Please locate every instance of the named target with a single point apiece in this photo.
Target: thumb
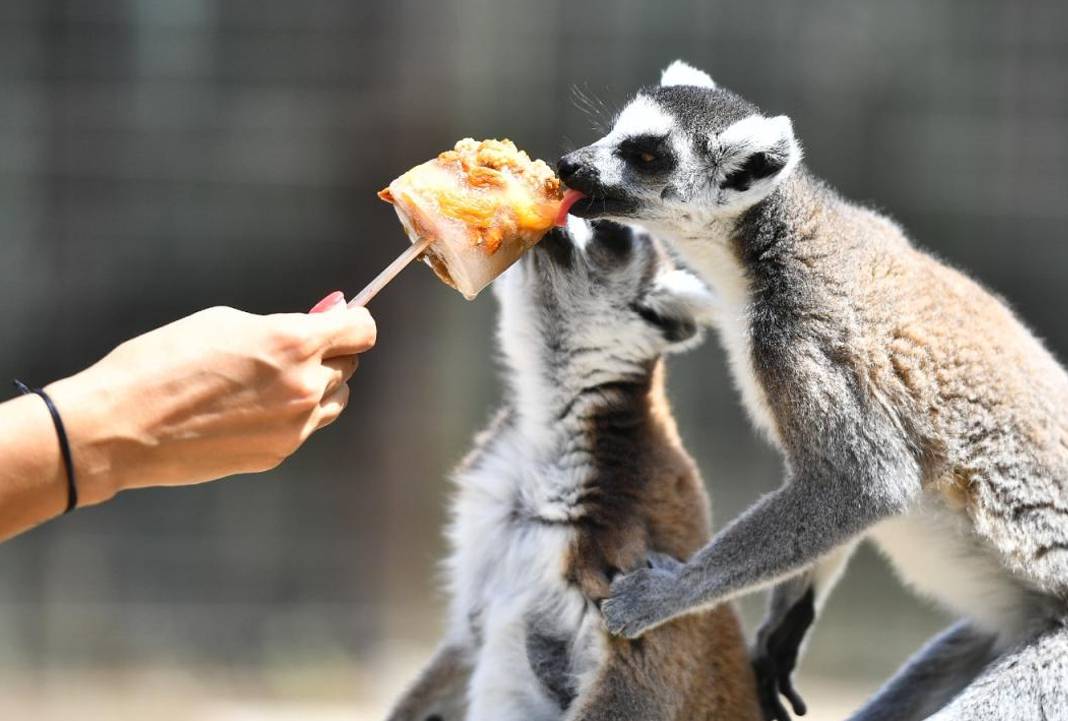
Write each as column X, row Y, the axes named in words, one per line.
column 335, row 299
column 344, row 331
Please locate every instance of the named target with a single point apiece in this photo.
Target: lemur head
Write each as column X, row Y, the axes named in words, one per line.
column 597, row 302
column 685, row 151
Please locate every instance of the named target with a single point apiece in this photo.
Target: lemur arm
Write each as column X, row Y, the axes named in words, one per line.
column 936, row 674
column 792, row 608
column 1027, row 682
column 784, row 532
column 440, row 690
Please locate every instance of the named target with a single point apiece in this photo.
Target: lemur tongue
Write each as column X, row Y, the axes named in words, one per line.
column 570, row 198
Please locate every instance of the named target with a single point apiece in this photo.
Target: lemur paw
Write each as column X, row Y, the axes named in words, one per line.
column 640, row 600
column 664, row 562
column 775, row 657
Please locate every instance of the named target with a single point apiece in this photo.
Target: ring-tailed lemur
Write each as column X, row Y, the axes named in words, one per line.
column 581, row 475
column 910, row 404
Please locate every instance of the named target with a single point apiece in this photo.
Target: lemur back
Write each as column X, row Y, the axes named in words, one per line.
column 582, row 475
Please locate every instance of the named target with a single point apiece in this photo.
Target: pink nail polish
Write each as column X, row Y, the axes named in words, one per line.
column 328, row 302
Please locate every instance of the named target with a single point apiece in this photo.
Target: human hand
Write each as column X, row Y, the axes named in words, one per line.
column 217, row 393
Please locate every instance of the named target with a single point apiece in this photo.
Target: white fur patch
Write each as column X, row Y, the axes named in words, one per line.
column 520, row 340
column 680, row 73
column 935, row 551
column 758, row 133
column 682, row 289
column 685, row 285
column 829, row 570
column 642, row 116
column 508, row 568
column 580, row 231
column 708, row 252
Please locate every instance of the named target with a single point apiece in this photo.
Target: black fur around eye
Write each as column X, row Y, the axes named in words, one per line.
column 675, row 330
column 647, row 153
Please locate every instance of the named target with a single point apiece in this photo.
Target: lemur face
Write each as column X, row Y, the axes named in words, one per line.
column 604, row 288
column 682, row 152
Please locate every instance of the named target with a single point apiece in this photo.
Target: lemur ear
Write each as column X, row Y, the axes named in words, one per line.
column 752, row 157
column 680, row 73
column 681, row 305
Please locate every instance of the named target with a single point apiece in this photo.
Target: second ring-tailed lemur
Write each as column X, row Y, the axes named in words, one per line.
column 581, row 475
column 910, row 404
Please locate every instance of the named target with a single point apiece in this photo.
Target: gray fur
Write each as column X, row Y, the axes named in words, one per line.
column 909, row 403
column 586, row 318
column 938, row 672
column 439, row 693
column 550, row 659
column 1026, row 683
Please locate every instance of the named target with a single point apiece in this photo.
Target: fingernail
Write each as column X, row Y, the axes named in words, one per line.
column 335, row 298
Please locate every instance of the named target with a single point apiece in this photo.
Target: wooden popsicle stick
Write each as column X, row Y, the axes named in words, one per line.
column 382, row 279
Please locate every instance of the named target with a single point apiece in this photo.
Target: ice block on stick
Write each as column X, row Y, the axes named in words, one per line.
column 472, row 211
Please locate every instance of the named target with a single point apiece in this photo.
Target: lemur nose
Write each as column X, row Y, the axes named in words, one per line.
column 568, row 166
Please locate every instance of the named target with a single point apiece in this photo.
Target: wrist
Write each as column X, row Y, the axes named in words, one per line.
column 95, row 422
column 33, row 484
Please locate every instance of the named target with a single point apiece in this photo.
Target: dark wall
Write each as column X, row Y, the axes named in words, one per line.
column 158, row 157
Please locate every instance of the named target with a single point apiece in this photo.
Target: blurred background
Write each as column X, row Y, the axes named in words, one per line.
column 157, row 157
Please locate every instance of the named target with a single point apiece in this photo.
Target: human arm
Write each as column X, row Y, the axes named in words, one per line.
column 213, row 394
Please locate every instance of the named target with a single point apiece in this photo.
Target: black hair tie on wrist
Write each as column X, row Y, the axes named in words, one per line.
column 64, row 444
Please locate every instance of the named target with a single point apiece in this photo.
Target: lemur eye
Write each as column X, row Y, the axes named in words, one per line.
column 647, row 153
